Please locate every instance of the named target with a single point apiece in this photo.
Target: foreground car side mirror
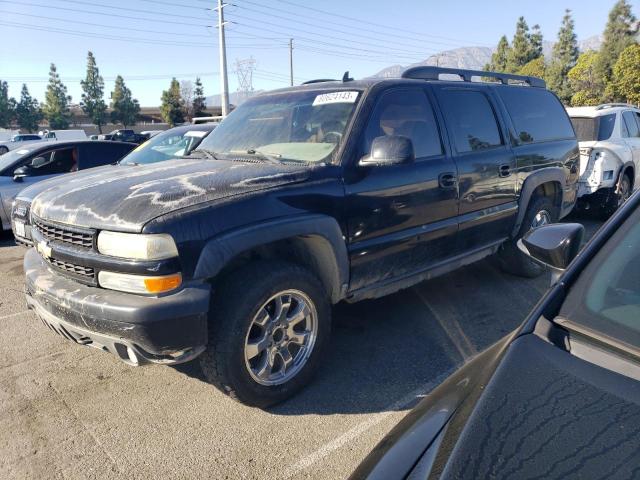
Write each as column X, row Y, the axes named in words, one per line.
column 554, row 245
column 389, row 150
column 20, row 173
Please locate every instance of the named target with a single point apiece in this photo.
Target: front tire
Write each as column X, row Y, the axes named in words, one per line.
column 268, row 327
column 511, row 259
column 3, row 150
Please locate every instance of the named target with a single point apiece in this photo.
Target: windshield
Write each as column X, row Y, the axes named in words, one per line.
column 594, row 129
column 306, row 126
column 606, row 298
column 165, row 146
column 9, row 159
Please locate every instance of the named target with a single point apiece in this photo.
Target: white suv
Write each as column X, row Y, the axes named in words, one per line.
column 609, row 137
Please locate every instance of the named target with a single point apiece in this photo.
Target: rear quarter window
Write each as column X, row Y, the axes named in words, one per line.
column 537, row 115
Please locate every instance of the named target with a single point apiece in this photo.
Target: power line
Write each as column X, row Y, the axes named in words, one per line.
column 379, row 25
column 127, row 9
column 350, row 34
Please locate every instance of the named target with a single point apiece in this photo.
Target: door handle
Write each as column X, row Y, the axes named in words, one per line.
column 505, row 170
column 447, row 180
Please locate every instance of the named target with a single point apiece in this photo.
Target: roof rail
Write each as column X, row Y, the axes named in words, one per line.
column 613, row 105
column 320, row 80
column 433, row 73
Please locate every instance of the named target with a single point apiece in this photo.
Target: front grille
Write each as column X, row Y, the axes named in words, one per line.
column 64, row 234
column 86, row 272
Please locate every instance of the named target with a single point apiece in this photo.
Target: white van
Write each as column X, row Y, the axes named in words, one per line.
column 65, row 135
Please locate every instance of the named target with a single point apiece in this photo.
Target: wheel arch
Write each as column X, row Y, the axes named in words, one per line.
column 313, row 241
column 548, row 182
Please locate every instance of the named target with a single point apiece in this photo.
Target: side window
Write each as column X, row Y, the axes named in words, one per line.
column 632, row 126
column 537, row 115
column 407, row 113
column 471, row 120
column 57, row 161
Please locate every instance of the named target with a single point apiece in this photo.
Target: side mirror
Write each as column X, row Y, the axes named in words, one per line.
column 20, row 173
column 554, row 245
column 389, row 150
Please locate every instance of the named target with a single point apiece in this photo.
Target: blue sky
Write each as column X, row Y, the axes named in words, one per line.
column 148, row 41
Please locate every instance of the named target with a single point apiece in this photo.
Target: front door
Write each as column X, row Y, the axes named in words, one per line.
column 401, row 218
column 486, row 166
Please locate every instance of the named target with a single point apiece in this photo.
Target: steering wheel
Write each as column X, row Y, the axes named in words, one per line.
column 336, row 136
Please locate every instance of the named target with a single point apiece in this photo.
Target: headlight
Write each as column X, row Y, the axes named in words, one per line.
column 139, row 283
column 137, row 246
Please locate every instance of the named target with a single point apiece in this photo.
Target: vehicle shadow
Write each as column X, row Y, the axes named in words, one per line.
column 386, row 350
column 6, row 239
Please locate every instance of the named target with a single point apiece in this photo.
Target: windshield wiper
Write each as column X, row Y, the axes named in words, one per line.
column 210, row 155
column 269, row 157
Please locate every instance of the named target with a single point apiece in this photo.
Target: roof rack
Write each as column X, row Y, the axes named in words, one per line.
column 433, row 73
column 613, row 105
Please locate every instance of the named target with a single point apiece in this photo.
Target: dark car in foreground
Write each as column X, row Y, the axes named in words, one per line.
column 35, row 162
column 558, row 398
column 299, row 199
column 177, row 142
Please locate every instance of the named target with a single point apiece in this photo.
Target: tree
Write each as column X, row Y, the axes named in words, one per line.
column 93, row 103
column 524, row 47
column 626, row 74
column 28, row 112
column 199, row 102
column 500, row 57
column 618, row 34
column 186, row 92
column 564, row 57
column 7, row 106
column 172, row 107
column 124, row 108
column 585, row 81
column 56, row 107
column 535, row 68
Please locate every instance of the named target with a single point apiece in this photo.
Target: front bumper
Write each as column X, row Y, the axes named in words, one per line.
column 168, row 330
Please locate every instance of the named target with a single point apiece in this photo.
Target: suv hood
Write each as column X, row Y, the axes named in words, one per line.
column 126, row 197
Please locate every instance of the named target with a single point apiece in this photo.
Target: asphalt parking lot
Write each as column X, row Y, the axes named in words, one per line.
column 73, row 412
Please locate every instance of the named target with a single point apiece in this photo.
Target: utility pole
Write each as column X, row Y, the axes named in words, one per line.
column 224, row 81
column 291, row 60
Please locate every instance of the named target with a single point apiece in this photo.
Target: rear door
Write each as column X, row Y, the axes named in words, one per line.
column 485, row 163
column 401, row 218
column 632, row 122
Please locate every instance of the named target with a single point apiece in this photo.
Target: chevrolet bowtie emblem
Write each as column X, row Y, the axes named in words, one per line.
column 44, row 249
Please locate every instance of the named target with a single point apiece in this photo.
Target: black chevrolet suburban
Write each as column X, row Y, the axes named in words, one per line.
column 301, row 198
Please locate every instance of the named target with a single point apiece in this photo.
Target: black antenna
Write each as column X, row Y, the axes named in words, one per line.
column 346, row 78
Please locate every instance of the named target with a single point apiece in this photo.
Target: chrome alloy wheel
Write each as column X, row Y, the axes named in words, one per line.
column 543, row 217
column 281, row 338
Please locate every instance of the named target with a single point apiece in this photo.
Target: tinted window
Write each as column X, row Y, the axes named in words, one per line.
column 537, row 115
column 589, row 129
column 471, row 119
column 632, row 126
column 407, row 113
column 98, row 154
column 606, row 297
column 54, row 162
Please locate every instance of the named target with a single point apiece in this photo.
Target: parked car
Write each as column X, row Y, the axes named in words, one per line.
column 609, row 137
column 559, row 397
column 42, row 160
column 17, row 141
column 174, row 143
column 299, row 199
column 64, row 135
column 126, row 135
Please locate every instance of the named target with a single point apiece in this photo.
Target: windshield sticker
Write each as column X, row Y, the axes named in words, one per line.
column 335, row 97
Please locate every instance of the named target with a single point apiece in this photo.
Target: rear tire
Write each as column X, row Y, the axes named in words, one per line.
column 616, row 196
column 254, row 322
column 3, row 150
column 540, row 211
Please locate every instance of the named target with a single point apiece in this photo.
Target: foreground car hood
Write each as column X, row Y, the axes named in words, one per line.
column 126, row 197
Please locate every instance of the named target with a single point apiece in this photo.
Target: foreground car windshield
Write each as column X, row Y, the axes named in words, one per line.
column 165, row 146
column 296, row 126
